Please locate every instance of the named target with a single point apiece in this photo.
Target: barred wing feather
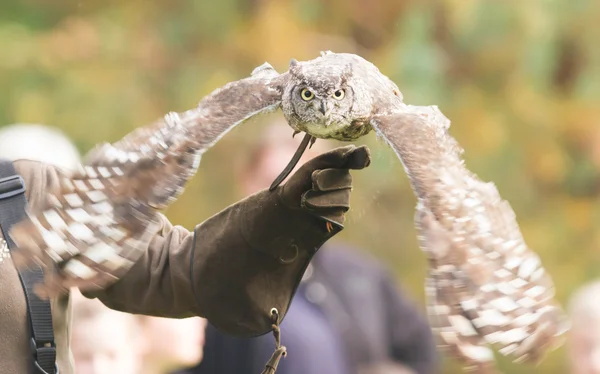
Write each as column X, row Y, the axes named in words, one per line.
column 485, row 287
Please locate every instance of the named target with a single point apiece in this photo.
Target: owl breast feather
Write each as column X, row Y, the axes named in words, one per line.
column 338, row 131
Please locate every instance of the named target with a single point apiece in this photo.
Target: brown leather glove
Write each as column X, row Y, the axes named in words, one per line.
column 322, row 185
column 251, row 257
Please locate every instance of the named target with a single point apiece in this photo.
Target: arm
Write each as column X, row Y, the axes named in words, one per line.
column 238, row 265
column 179, row 265
column 159, row 283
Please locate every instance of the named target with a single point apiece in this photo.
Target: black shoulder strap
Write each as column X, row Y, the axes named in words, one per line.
column 12, row 210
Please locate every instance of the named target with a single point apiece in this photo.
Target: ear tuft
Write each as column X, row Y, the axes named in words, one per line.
column 346, row 73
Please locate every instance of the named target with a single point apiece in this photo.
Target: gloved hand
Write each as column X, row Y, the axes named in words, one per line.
column 322, row 185
column 240, row 279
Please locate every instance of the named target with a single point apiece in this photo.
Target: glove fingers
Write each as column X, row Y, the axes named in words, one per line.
column 348, row 157
column 331, row 179
column 324, row 200
column 359, row 158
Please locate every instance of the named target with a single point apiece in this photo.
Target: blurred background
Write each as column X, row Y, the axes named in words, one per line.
column 520, row 81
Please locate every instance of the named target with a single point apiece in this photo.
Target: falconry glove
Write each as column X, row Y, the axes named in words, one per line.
column 245, row 292
column 322, row 186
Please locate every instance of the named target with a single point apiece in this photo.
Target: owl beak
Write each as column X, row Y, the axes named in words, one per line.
column 323, row 108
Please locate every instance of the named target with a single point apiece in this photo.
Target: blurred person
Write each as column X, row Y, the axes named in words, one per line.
column 107, row 341
column 348, row 316
column 181, row 272
column 104, row 340
column 584, row 337
column 171, row 344
column 386, row 368
column 30, row 141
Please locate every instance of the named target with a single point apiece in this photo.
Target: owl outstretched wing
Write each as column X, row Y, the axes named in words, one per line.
column 100, row 220
column 485, row 287
column 189, row 134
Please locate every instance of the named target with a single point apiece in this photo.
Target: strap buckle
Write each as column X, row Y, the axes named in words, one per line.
column 35, row 350
column 11, row 186
column 35, row 345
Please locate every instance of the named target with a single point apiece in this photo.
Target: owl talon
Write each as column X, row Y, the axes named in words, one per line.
column 292, row 164
column 329, row 226
column 312, row 141
column 296, row 132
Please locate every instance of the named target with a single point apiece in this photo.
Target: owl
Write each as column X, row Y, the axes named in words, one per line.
column 484, row 286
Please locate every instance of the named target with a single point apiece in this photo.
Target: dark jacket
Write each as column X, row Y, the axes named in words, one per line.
column 347, row 313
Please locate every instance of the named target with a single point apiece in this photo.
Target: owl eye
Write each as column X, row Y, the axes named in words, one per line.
column 306, row 94
column 339, row 94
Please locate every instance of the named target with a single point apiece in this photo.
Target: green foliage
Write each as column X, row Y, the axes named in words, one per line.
column 520, row 81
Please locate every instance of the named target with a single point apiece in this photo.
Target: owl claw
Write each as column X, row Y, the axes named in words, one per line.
column 290, row 166
column 296, row 132
column 312, row 141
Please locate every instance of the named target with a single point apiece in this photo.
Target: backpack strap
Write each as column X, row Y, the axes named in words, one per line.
column 12, row 210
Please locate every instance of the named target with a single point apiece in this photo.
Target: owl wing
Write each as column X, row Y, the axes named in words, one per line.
column 486, row 287
column 453, row 332
column 188, row 135
column 446, row 292
column 91, row 230
column 102, row 217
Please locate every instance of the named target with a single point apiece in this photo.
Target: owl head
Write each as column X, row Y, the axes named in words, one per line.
column 324, row 99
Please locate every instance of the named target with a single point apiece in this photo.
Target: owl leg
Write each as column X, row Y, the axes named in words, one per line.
column 292, row 164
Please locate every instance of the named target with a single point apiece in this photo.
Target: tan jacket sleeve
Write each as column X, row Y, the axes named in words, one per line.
column 160, row 283
column 233, row 267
